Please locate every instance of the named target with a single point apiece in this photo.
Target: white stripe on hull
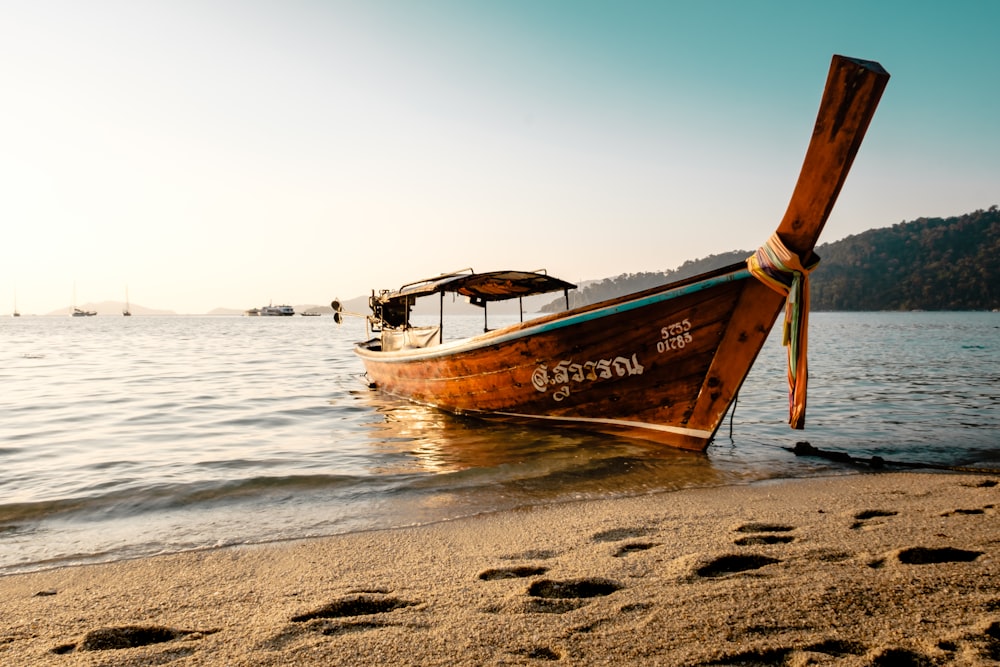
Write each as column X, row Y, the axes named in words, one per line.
column 692, row 432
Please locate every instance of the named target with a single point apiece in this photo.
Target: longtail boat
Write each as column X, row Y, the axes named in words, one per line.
column 663, row 364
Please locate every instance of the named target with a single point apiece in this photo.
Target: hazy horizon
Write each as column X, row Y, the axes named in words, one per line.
column 228, row 154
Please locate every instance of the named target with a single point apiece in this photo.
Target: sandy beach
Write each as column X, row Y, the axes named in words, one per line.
column 870, row 569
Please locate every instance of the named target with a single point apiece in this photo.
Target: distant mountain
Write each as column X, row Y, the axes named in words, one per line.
column 111, row 308
column 926, row 264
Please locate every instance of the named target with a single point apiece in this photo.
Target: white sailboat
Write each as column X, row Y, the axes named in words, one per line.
column 126, row 311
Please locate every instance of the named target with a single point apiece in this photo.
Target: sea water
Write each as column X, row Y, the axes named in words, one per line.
column 124, row 437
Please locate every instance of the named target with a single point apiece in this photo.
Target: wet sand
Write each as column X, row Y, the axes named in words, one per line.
column 872, row 569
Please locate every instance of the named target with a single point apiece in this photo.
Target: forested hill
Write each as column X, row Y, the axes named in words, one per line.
column 926, row 264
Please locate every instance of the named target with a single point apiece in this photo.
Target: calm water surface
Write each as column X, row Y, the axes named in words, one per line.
column 123, row 437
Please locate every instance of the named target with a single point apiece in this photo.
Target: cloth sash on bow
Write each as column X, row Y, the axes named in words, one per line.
column 784, row 272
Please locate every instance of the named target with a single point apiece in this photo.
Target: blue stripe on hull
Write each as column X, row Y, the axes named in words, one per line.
column 476, row 342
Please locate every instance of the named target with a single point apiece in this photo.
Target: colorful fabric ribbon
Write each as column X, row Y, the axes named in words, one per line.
column 783, row 271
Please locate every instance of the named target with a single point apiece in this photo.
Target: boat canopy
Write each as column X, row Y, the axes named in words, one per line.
column 392, row 307
column 482, row 287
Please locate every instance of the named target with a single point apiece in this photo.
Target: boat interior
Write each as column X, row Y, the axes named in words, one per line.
column 392, row 309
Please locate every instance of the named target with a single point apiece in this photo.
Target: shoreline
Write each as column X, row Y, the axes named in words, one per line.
column 860, row 569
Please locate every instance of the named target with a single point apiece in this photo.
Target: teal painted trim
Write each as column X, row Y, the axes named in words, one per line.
column 477, row 342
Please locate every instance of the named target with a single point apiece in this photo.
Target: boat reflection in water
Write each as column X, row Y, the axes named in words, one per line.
column 479, row 465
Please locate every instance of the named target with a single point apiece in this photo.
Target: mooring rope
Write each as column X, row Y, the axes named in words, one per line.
column 787, row 274
column 878, row 463
column 732, row 413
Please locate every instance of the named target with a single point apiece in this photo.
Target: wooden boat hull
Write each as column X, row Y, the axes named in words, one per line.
column 660, row 365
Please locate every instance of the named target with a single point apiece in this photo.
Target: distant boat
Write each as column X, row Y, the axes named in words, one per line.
column 16, row 314
column 126, row 311
column 309, row 314
column 253, row 312
column 276, row 311
column 76, row 312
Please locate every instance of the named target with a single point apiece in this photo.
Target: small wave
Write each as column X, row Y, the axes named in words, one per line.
column 162, row 497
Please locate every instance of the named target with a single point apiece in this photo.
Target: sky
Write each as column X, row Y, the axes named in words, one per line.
column 213, row 153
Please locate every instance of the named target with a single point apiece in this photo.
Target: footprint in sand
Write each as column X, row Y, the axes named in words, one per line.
column 835, row 649
column 355, row 605
column 532, row 554
column 619, row 534
column 542, row 653
column 764, row 528
column 862, row 518
column 129, row 636
column 838, row 648
column 356, row 612
column 763, row 534
column 574, row 588
column 557, row 597
column 734, row 564
column 548, row 596
column 758, row 540
column 985, row 643
column 633, row 547
column 991, row 639
column 900, row 657
column 969, row 512
column 771, row 656
column 928, row 556
column 518, row 572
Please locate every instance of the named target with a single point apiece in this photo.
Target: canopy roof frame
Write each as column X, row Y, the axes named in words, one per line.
column 479, row 288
